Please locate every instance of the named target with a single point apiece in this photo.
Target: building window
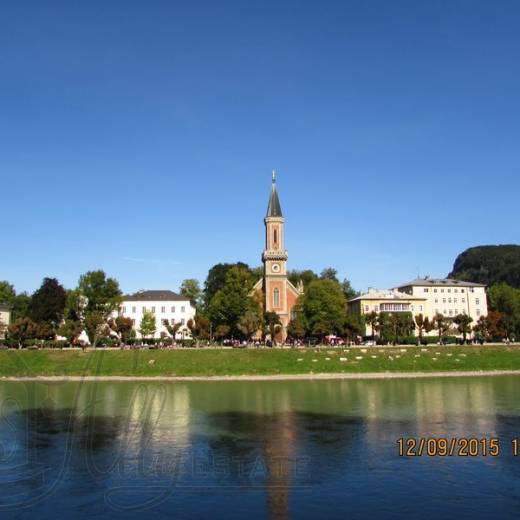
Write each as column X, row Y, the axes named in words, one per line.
column 477, row 301
column 165, row 322
column 173, row 309
column 182, row 321
column 478, row 312
column 444, row 300
column 275, row 234
column 420, row 308
column 449, row 290
column 144, row 309
column 133, row 310
column 449, row 300
column 163, row 309
column 367, row 308
column 183, row 309
column 276, row 298
column 463, row 300
column 435, row 290
column 133, row 323
column 153, row 310
column 172, row 322
column 124, row 310
column 451, row 312
column 426, row 289
column 462, row 290
column 442, row 290
column 454, row 300
column 436, row 300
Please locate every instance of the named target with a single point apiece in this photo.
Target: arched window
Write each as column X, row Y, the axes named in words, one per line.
column 275, row 237
column 276, row 298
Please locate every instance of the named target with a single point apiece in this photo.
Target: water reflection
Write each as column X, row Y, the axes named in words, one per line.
column 269, row 449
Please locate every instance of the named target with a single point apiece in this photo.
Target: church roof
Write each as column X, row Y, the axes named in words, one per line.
column 274, row 209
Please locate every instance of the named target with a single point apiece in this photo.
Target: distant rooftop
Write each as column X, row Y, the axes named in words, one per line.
column 427, row 281
column 385, row 294
column 154, row 296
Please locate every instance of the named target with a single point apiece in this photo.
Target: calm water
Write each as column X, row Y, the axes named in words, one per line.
column 302, row 449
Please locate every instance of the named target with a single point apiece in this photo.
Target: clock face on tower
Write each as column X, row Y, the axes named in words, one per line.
column 275, row 268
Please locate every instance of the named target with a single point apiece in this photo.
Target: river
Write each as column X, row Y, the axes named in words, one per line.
column 263, row 449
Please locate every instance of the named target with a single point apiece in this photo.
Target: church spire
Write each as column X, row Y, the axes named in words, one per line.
column 274, row 209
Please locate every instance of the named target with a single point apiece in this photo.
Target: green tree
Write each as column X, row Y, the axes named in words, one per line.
column 506, row 300
column 172, row 328
column 216, row 279
column 424, row 325
column 148, row 325
column 348, row 290
column 329, row 273
column 48, row 303
column 123, row 327
column 297, row 327
column 323, row 306
column 372, row 319
column 23, row 329
column 96, row 327
column 71, row 330
column 190, row 289
column 7, row 293
column 273, row 325
column 463, row 322
column 306, row 277
column 481, row 329
column 221, row 332
column 354, row 326
column 249, row 323
column 102, row 294
column 442, row 325
column 20, row 306
column 199, row 327
column 231, row 301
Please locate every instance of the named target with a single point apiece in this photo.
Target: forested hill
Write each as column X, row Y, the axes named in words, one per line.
column 489, row 265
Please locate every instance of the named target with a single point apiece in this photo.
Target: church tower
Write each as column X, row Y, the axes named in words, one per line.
column 278, row 293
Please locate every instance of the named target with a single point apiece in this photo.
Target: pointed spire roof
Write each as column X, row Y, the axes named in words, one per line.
column 274, row 209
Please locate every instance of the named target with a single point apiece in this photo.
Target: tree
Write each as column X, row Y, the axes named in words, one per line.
column 71, row 330
column 124, row 328
column 506, row 300
column 221, row 331
column 297, row 326
column 96, row 326
column 7, row 292
column 306, row 277
column 463, row 322
column 442, row 324
column 172, row 328
column 199, row 327
column 231, row 301
column 348, row 290
column 372, row 319
column 272, row 324
column 329, row 273
column 353, row 326
column 323, row 306
column 20, row 306
column 249, row 323
column 23, row 329
column 48, row 303
column 216, row 279
column 423, row 325
column 102, row 294
column 74, row 305
column 190, row 288
column 495, row 326
column 481, row 330
column 148, row 326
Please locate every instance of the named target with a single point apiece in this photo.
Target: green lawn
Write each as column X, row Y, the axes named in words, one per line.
column 219, row 362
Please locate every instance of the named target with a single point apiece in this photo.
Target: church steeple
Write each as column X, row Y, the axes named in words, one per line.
column 274, row 209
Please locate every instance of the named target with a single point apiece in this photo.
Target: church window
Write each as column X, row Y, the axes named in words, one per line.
column 275, row 237
column 276, row 298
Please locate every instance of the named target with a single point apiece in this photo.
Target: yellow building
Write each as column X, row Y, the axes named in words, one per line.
column 386, row 301
column 5, row 318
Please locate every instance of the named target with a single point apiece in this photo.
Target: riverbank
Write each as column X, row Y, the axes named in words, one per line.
column 224, row 364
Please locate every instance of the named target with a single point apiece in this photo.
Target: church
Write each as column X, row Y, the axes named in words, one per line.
column 277, row 293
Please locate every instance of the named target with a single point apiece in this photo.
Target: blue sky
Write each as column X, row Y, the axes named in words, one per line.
column 139, row 137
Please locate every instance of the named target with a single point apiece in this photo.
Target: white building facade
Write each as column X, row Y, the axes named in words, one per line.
column 448, row 297
column 5, row 318
column 167, row 306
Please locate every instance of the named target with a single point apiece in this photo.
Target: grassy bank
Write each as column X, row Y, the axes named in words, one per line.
column 222, row 362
